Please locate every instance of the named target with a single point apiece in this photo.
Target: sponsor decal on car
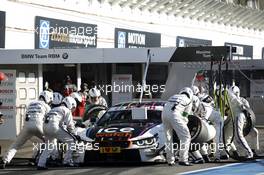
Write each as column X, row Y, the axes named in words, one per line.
column 116, row 134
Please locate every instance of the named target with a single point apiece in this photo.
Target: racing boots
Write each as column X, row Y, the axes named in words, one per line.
column 41, row 168
column 255, row 155
column 171, row 164
column 185, row 163
column 198, row 161
column 206, row 158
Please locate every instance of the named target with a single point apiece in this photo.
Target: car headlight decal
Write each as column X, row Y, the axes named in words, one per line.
column 145, row 142
column 140, row 142
column 149, row 141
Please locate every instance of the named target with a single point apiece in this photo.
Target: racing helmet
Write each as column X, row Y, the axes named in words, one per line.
column 57, row 98
column 47, row 96
column 188, row 92
column 69, row 102
column 77, row 97
column 235, row 90
column 195, row 90
column 94, row 92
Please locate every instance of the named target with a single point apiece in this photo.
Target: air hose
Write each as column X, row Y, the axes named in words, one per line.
column 233, row 123
column 222, row 101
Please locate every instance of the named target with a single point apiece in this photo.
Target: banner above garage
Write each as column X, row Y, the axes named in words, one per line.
column 262, row 52
column 54, row 33
column 2, row 29
column 243, row 52
column 125, row 38
column 120, row 55
column 191, row 42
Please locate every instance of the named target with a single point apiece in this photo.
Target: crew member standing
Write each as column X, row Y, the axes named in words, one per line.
column 238, row 105
column 175, row 117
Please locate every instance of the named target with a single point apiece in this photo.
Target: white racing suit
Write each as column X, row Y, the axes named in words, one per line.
column 205, row 109
column 58, row 125
column 175, row 117
column 238, row 104
column 35, row 113
column 229, row 135
column 103, row 101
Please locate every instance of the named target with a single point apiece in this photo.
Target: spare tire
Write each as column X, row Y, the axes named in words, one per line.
column 250, row 121
column 201, row 131
column 249, row 124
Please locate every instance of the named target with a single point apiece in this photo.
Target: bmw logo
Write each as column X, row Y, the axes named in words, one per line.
column 44, row 34
column 65, row 56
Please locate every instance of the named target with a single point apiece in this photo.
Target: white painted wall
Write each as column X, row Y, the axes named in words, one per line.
column 20, row 16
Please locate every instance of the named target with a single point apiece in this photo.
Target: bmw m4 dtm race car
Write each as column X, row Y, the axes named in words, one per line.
column 133, row 132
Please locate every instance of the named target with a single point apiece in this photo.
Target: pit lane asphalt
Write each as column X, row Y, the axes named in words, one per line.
column 110, row 169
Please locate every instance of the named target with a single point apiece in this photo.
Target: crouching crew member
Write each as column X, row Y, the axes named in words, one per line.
column 35, row 113
column 59, row 125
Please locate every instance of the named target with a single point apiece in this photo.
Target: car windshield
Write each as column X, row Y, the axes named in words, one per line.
column 125, row 116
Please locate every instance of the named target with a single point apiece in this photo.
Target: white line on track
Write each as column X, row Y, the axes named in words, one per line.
column 217, row 167
column 211, row 168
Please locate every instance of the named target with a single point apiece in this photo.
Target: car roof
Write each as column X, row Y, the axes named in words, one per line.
column 151, row 105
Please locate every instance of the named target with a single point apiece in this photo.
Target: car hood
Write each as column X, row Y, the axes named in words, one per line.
column 120, row 131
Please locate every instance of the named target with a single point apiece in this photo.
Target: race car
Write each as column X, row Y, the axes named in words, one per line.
column 133, row 132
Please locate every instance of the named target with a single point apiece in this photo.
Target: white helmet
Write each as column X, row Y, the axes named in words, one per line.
column 47, row 96
column 69, row 102
column 195, row 90
column 188, row 92
column 76, row 97
column 235, row 90
column 57, row 98
column 94, row 92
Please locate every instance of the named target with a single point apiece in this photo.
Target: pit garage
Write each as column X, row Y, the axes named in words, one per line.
column 156, row 45
column 103, row 56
